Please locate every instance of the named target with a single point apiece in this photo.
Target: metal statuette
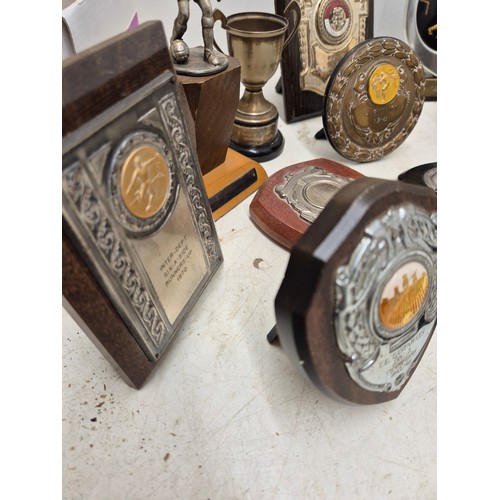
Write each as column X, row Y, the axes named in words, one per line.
column 196, row 61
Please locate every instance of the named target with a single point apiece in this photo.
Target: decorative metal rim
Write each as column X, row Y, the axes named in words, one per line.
column 279, row 20
column 136, row 226
column 363, row 54
column 357, row 291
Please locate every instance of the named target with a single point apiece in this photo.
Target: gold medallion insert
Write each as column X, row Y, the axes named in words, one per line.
column 145, row 182
column 403, row 295
column 383, row 84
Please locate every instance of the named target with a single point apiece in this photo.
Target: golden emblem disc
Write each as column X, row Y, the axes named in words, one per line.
column 145, row 182
column 404, row 296
column 383, row 84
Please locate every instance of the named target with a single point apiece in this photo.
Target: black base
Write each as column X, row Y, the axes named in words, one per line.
column 272, row 336
column 279, row 87
column 264, row 152
column 320, row 135
column 416, row 175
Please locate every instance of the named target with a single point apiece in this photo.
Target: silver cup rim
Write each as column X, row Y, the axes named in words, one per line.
column 255, row 33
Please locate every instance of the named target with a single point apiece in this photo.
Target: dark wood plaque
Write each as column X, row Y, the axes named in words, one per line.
column 328, row 30
column 139, row 243
column 357, row 307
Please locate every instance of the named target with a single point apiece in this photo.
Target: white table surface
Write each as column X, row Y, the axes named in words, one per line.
column 225, row 415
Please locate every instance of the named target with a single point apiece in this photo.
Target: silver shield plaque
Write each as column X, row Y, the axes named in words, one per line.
column 387, row 306
column 135, row 206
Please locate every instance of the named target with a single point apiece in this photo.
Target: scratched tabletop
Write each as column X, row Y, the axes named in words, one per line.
column 225, row 415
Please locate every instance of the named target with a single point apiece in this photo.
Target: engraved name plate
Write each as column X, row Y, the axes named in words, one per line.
column 135, row 206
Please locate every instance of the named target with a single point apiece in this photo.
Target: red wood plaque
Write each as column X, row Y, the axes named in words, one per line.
column 291, row 199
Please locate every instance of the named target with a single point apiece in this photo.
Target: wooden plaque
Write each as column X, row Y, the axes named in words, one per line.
column 139, row 242
column 229, row 176
column 213, row 100
column 357, row 307
column 328, row 30
column 291, row 199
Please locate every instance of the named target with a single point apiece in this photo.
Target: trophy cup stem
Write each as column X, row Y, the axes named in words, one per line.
column 255, row 129
column 254, row 109
column 257, row 39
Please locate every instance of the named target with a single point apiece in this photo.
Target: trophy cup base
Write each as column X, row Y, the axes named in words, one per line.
column 261, row 152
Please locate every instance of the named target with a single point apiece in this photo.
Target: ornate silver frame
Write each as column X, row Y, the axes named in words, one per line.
column 112, row 242
column 379, row 359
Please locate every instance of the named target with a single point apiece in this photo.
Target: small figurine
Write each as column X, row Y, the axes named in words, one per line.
column 180, row 50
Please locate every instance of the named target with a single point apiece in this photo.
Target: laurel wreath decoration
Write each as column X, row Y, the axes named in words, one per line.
column 348, row 89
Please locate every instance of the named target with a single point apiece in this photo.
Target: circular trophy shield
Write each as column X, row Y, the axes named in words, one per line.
column 141, row 183
column 357, row 307
column 373, row 99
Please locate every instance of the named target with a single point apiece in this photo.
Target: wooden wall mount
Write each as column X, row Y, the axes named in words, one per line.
column 301, row 104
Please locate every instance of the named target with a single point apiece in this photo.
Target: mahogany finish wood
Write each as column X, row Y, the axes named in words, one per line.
column 93, row 81
column 274, row 216
column 229, row 176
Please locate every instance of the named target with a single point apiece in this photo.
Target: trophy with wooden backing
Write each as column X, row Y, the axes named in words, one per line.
column 211, row 82
column 358, row 304
column 139, row 241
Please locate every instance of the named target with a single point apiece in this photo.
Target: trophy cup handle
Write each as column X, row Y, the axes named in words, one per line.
column 217, row 15
column 293, row 7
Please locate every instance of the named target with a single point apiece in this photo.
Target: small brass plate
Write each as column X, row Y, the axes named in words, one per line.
column 373, row 99
column 145, row 182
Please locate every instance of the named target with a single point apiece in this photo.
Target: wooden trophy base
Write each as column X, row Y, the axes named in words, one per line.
column 213, row 100
column 229, row 176
column 231, row 182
